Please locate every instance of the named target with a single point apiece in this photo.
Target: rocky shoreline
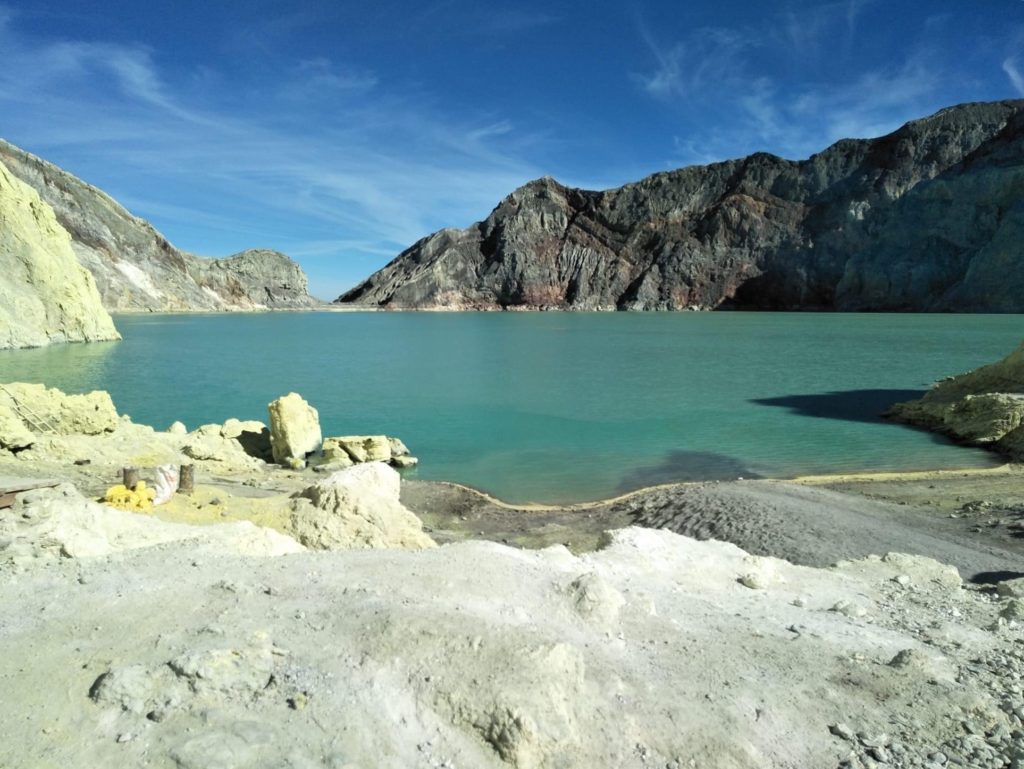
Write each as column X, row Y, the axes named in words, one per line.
column 280, row 616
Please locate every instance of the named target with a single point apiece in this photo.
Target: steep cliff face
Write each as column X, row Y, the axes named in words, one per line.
column 45, row 295
column 136, row 268
column 927, row 218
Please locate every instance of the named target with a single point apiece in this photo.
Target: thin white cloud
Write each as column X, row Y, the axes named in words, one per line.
column 374, row 170
column 722, row 71
column 1012, row 72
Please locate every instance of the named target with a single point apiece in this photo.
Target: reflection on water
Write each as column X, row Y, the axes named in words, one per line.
column 678, row 466
column 72, row 367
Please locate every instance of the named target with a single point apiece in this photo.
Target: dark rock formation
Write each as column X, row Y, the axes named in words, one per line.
column 928, row 218
column 136, row 268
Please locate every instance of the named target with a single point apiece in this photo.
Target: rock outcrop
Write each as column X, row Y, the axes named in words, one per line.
column 924, row 219
column 28, row 409
column 294, row 430
column 356, row 508
column 984, row 407
column 136, row 268
column 45, row 295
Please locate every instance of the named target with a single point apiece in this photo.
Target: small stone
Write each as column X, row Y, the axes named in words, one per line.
column 879, row 754
column 1013, row 609
column 842, row 731
column 873, row 741
column 125, row 737
column 849, row 609
column 753, row 580
column 902, row 579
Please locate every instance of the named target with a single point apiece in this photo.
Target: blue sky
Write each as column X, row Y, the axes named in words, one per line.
column 341, row 132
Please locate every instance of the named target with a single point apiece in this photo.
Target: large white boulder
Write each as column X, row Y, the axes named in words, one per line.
column 294, row 429
column 358, row 507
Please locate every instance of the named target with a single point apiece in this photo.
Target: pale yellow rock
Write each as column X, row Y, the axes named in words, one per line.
column 178, row 428
column 359, row 448
column 46, row 296
column 294, row 429
column 43, row 409
column 207, row 443
column 13, row 433
column 356, row 508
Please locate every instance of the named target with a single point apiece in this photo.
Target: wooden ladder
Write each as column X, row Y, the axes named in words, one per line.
column 36, row 422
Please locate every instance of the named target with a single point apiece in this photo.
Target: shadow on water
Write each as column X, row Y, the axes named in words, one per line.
column 846, row 405
column 994, row 577
column 679, row 466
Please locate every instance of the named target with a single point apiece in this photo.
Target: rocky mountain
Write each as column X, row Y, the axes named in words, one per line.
column 928, row 218
column 45, row 295
column 136, row 268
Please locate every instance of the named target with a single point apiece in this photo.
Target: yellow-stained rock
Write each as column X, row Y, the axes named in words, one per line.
column 138, row 500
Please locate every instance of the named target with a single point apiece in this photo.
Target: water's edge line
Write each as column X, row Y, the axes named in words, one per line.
column 1009, row 468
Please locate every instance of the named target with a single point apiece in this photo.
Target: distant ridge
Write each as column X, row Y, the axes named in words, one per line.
column 928, row 218
column 137, row 268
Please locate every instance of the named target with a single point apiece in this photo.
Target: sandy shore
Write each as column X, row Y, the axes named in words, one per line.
column 973, row 519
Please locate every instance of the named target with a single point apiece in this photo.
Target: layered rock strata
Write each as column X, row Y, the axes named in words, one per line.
column 45, row 295
column 927, row 218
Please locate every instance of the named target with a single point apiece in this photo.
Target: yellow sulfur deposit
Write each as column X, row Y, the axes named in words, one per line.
column 139, row 499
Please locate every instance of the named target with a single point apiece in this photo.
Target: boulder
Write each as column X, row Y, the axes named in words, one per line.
column 356, row 508
column 359, row 448
column 984, row 418
column 45, row 409
column 13, row 433
column 253, row 436
column 398, row 448
column 404, row 462
column 208, row 444
column 178, row 428
column 294, row 429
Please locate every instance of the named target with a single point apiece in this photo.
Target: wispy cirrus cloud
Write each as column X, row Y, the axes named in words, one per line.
column 363, row 178
column 1013, row 72
column 727, row 75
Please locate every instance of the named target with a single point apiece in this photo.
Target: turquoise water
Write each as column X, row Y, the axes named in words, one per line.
column 556, row 406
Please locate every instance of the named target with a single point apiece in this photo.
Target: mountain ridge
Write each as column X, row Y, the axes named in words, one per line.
column 136, row 268
column 915, row 220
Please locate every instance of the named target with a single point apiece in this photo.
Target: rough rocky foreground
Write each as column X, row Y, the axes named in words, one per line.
column 45, row 295
column 292, row 618
column 137, row 268
column 984, row 407
column 924, row 219
column 656, row 651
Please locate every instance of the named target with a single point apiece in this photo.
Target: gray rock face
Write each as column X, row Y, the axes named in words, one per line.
column 136, row 268
column 927, row 218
